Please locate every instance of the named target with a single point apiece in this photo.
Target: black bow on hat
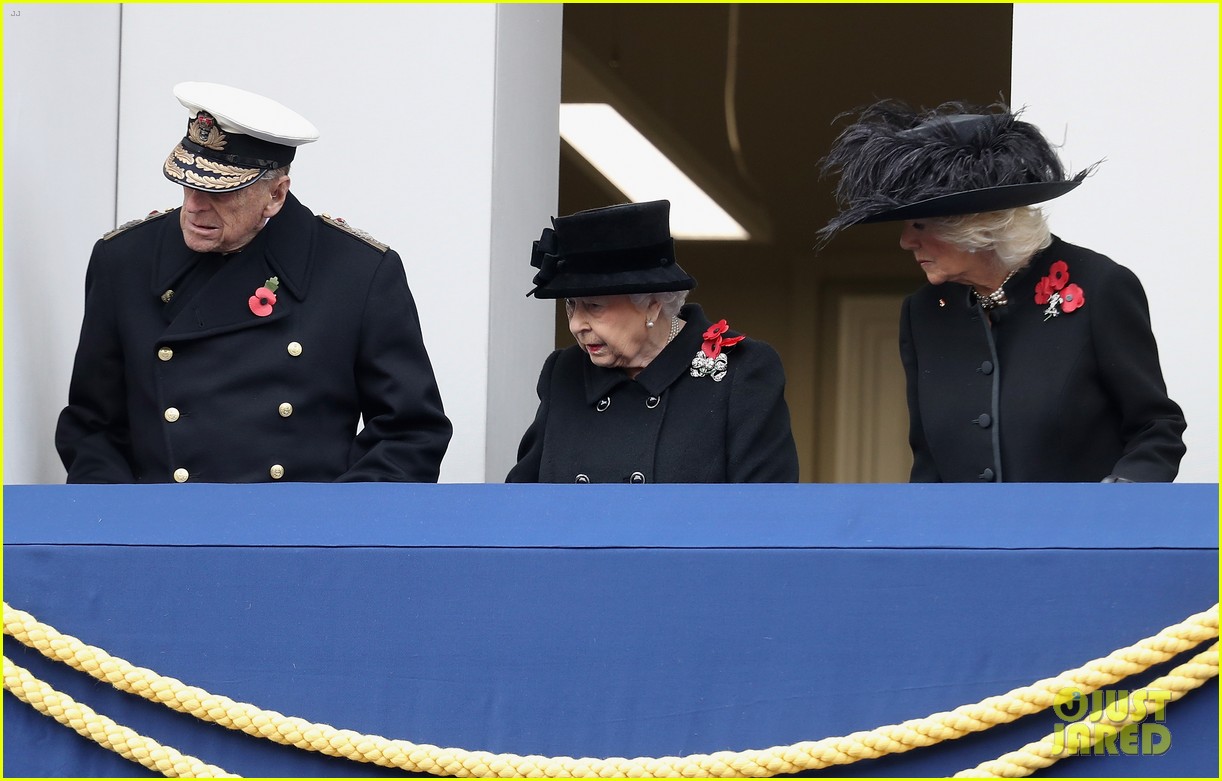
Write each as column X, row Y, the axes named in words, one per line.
column 609, row 251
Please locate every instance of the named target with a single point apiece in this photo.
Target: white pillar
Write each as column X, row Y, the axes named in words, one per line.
column 1136, row 85
column 61, row 81
column 525, row 177
column 438, row 137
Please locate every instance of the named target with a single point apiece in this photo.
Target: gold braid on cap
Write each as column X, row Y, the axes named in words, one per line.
column 211, row 166
column 218, row 183
column 227, row 176
column 172, row 168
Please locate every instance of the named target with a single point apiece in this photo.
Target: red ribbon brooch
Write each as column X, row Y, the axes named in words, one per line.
column 1056, row 290
column 711, row 361
column 264, row 299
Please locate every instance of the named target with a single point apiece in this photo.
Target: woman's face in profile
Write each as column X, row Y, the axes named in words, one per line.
column 611, row 330
column 943, row 262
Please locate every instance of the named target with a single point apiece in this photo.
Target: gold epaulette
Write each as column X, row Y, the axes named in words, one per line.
column 342, row 224
column 133, row 223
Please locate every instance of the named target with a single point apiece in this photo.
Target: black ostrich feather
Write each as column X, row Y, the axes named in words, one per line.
column 893, row 155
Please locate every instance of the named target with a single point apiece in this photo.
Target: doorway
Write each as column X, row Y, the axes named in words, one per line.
column 744, row 99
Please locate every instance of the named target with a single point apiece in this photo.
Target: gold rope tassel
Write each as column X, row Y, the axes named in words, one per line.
column 104, row 731
column 1084, row 734
column 423, row 758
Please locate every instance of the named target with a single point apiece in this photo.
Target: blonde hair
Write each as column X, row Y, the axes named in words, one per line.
column 1013, row 235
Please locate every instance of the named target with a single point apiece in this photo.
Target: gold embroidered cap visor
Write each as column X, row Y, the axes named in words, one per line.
column 233, row 137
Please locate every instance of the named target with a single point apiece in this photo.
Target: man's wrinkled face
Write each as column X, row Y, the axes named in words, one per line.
column 226, row 222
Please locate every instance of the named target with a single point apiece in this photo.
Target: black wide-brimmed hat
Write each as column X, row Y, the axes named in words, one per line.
column 609, row 251
column 233, row 137
column 896, row 163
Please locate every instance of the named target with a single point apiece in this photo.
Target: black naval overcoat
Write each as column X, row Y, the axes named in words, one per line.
column 596, row 425
column 177, row 379
column 1016, row 395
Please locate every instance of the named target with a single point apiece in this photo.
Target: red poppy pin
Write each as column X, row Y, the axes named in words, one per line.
column 264, row 299
column 1057, row 292
column 711, row 361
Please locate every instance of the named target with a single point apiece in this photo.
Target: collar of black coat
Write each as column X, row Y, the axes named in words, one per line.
column 1020, row 290
column 286, row 243
column 672, row 363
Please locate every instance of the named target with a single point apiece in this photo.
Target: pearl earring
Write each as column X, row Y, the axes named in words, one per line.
column 649, row 324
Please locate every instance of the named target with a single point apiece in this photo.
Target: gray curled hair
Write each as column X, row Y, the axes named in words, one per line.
column 1013, row 235
column 671, row 302
column 272, row 174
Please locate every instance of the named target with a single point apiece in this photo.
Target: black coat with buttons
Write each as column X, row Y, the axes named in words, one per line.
column 596, row 425
column 1015, row 395
column 193, row 385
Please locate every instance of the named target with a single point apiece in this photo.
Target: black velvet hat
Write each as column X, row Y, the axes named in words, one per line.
column 895, row 163
column 609, row 251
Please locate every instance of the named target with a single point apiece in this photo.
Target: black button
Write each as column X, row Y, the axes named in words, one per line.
column 986, row 367
column 582, row 479
column 984, row 421
column 603, row 404
column 637, row 477
column 652, row 401
column 986, row 475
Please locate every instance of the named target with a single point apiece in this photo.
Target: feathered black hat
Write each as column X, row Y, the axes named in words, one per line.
column 896, row 163
column 609, row 251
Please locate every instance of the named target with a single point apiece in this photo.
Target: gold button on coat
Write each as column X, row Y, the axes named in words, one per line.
column 180, row 475
column 171, row 414
column 165, row 353
column 294, row 349
column 276, row 471
column 286, row 409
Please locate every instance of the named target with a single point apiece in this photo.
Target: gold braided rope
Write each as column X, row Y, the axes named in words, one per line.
column 423, row 758
column 125, row 742
column 1052, row 748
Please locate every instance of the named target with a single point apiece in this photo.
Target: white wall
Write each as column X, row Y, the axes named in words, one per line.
column 1137, row 86
column 60, row 129
column 406, row 101
column 521, row 329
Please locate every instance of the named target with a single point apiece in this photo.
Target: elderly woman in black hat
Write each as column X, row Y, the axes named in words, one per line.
column 1028, row 359
column 652, row 392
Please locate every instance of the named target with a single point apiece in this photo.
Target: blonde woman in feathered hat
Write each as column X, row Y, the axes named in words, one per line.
column 652, row 391
column 1028, row 359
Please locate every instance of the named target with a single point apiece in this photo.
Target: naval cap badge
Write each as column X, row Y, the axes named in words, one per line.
column 204, row 131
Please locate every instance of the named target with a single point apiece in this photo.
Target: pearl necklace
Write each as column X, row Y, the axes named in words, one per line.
column 997, row 297
column 674, row 329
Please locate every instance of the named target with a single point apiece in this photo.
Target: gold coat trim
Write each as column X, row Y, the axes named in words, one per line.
column 133, row 223
column 342, row 224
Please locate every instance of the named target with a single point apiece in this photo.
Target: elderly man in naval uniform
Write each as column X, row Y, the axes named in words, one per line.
column 241, row 338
